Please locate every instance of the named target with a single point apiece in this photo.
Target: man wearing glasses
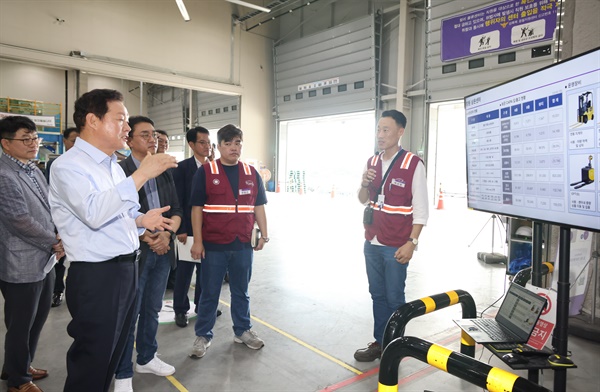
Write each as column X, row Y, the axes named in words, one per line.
column 199, row 142
column 157, row 258
column 28, row 241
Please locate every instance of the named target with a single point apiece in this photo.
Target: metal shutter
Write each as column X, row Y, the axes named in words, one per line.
column 331, row 72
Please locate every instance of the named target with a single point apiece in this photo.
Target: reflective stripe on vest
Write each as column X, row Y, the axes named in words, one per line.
column 218, row 208
column 375, row 159
column 396, row 210
column 214, row 168
column 247, row 170
column 407, row 159
column 226, row 209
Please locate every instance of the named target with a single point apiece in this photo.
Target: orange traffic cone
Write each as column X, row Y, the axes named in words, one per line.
column 440, row 205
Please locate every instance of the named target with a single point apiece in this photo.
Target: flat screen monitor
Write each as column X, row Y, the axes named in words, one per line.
column 533, row 145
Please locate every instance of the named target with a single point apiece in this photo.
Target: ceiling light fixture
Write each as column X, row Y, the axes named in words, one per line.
column 250, row 5
column 183, row 10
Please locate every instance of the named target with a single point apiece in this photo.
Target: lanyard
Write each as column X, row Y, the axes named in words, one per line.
column 387, row 173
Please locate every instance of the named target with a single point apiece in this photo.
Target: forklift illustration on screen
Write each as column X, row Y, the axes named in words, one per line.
column 585, row 111
column 587, row 175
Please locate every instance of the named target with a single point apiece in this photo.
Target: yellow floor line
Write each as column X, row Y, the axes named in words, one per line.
column 181, row 388
column 177, row 384
column 300, row 342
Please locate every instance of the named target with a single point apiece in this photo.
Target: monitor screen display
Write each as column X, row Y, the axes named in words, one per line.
column 533, row 145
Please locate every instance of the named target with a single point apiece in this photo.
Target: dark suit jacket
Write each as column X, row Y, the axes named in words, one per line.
column 167, row 196
column 183, row 175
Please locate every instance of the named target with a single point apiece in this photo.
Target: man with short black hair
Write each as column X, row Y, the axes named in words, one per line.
column 228, row 197
column 156, row 260
column 95, row 208
column 199, row 142
column 394, row 188
column 162, row 142
column 28, row 241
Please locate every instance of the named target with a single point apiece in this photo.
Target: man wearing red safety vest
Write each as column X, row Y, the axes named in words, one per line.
column 394, row 189
column 227, row 197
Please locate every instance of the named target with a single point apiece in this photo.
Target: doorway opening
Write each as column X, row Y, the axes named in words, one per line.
column 447, row 166
column 325, row 155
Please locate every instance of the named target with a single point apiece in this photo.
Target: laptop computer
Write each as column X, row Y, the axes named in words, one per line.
column 514, row 322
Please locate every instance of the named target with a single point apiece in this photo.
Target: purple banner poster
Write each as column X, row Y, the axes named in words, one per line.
column 498, row 27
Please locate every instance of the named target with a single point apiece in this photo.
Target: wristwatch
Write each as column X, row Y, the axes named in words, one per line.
column 173, row 235
column 266, row 239
column 415, row 241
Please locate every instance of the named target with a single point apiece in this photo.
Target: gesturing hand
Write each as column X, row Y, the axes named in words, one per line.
column 153, row 220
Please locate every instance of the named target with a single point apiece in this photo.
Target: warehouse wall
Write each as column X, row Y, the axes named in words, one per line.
column 150, row 42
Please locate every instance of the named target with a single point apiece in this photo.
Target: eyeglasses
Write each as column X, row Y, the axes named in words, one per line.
column 146, row 136
column 28, row 141
column 203, row 142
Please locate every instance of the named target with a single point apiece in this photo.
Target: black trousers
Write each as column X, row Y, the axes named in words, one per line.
column 101, row 300
column 26, row 308
column 59, row 268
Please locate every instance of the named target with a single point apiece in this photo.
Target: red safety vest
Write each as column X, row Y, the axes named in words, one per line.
column 226, row 216
column 392, row 222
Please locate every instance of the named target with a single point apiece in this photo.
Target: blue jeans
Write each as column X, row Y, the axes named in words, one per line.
column 214, row 267
column 387, row 279
column 151, row 289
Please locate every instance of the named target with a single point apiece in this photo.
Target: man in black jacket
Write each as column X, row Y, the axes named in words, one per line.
column 157, row 258
column 199, row 142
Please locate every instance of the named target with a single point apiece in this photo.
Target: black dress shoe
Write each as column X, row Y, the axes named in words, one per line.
column 369, row 354
column 57, row 299
column 219, row 313
column 181, row 319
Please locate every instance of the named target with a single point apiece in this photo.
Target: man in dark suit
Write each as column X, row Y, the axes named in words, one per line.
column 28, row 242
column 157, row 259
column 199, row 142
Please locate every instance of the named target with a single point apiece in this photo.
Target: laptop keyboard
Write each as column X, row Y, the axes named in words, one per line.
column 492, row 330
column 504, row 346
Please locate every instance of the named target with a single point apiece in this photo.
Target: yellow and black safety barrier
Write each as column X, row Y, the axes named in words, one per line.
column 469, row 369
column 397, row 323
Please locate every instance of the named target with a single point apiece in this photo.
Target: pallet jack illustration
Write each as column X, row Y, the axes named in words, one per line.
column 585, row 111
column 587, row 175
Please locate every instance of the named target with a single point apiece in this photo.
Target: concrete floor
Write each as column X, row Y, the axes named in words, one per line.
column 310, row 303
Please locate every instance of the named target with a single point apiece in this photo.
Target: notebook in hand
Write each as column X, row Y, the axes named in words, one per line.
column 514, row 322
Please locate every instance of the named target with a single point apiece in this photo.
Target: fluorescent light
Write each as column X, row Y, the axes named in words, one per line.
column 250, row 5
column 183, row 10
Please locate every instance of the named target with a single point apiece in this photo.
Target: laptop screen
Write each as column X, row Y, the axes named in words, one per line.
column 520, row 310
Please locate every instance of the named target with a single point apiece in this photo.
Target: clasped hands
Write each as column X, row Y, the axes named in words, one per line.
column 58, row 248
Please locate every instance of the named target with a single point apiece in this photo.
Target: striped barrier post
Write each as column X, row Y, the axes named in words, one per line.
column 396, row 325
column 462, row 366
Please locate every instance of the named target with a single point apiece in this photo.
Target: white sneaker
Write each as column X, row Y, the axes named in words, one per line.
column 201, row 344
column 250, row 339
column 155, row 366
column 123, row 385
